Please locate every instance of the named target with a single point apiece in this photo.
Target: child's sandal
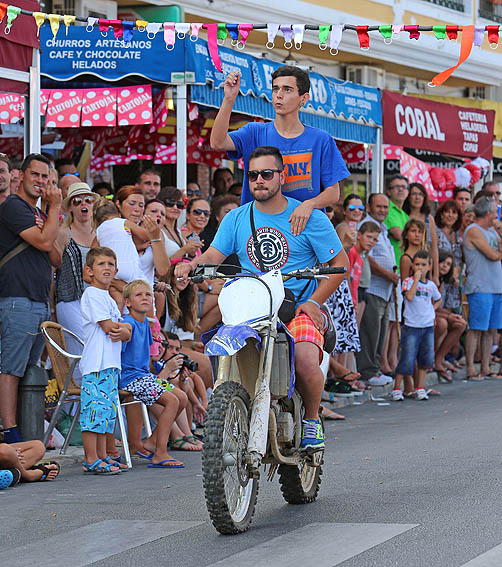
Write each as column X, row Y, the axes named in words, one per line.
column 99, row 467
column 114, row 463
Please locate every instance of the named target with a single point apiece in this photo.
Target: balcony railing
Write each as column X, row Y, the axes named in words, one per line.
column 457, row 5
column 490, row 10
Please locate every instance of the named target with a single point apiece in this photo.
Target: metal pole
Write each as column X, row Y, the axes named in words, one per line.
column 377, row 164
column 181, row 136
column 35, row 140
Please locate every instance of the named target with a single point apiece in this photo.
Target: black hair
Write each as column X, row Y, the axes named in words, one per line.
column 34, row 157
column 102, row 185
column 349, row 198
column 171, row 336
column 397, row 176
column 63, row 161
column 373, row 195
column 422, row 254
column 443, row 255
column 219, row 171
column 192, row 201
column 425, row 208
column 301, row 76
column 150, row 171
column 267, row 151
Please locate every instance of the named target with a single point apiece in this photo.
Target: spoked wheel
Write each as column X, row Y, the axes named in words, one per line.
column 230, row 492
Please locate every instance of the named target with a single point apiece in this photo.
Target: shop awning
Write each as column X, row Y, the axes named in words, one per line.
column 346, row 110
column 445, row 128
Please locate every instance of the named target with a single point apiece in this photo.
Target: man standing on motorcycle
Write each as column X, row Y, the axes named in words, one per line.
column 280, row 249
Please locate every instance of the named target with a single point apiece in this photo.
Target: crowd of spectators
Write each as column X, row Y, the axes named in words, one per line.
column 85, row 257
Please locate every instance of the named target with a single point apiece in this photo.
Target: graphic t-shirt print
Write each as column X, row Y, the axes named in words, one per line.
column 273, row 247
column 298, row 168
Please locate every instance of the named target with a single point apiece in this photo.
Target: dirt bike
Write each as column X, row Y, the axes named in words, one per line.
column 255, row 414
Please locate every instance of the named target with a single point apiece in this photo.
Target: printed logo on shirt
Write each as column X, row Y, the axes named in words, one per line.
column 298, row 171
column 273, row 246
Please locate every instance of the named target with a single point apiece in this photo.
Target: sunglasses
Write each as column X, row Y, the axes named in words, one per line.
column 76, row 174
column 79, row 200
column 199, row 212
column 179, row 204
column 354, row 207
column 266, row 174
column 193, row 193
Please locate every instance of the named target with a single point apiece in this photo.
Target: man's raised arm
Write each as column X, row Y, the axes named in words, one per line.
column 220, row 140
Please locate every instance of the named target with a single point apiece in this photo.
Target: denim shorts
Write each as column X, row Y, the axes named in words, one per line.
column 417, row 345
column 21, row 339
column 485, row 311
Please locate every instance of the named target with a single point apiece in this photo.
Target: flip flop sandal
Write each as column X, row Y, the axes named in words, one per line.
column 46, row 471
column 443, row 376
column 192, row 440
column 178, row 444
column 331, row 415
column 146, row 456
column 431, row 392
column 161, row 465
column 475, row 378
column 493, row 376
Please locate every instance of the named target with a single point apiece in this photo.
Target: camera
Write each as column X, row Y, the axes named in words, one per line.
column 189, row 364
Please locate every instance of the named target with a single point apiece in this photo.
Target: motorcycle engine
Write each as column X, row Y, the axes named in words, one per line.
column 285, row 427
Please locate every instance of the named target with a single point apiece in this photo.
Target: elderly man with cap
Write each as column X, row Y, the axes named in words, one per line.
column 28, row 251
column 75, row 239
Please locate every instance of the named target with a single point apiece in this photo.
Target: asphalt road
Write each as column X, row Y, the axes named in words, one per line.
column 406, row 484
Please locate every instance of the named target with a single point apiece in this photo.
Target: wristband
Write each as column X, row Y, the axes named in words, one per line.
column 156, row 240
column 193, row 345
column 314, row 301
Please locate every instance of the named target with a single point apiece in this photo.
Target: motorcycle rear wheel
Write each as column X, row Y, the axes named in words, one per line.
column 300, row 483
column 230, row 493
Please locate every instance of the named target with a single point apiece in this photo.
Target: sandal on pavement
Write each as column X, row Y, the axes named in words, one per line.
column 178, row 445
column 475, row 378
column 114, row 463
column 328, row 414
column 443, row 375
column 176, row 464
column 46, row 470
column 147, row 456
column 431, row 392
column 193, row 441
column 493, row 376
column 99, row 467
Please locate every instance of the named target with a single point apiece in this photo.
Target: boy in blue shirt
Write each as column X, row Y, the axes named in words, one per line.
column 137, row 379
column 311, row 158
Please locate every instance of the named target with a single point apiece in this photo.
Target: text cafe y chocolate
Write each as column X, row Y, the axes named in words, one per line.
column 435, row 126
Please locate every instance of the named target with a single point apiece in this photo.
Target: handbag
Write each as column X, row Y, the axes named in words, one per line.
column 288, row 306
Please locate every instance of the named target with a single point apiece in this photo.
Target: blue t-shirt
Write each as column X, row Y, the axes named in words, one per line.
column 136, row 353
column 279, row 248
column 312, row 160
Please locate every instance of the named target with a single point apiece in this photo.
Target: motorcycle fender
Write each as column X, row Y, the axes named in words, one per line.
column 230, row 339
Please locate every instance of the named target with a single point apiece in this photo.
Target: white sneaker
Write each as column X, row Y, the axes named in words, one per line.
column 421, row 394
column 378, row 381
column 397, row 396
column 388, row 378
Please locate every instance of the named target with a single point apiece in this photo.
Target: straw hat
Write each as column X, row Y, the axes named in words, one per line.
column 76, row 189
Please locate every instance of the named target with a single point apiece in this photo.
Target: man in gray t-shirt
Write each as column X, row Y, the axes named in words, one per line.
column 483, row 285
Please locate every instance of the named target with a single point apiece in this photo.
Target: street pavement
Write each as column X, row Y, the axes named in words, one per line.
column 413, row 483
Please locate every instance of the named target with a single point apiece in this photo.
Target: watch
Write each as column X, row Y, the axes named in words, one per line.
column 209, row 288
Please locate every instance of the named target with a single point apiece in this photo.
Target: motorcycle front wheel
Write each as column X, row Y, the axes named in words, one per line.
column 230, row 492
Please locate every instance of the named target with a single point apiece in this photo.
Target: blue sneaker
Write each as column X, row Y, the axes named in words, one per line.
column 312, row 435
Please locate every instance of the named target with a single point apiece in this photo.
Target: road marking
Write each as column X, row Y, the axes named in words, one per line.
column 91, row 543
column 492, row 558
column 324, row 545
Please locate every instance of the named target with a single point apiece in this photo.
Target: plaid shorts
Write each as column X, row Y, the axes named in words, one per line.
column 147, row 389
column 303, row 330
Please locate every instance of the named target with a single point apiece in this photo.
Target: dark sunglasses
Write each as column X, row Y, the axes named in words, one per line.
column 266, row 174
column 354, row 207
column 79, row 200
column 76, row 174
column 199, row 212
column 193, row 193
column 179, row 204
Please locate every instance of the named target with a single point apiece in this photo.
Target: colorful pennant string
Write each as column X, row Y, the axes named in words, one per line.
column 452, row 32
column 127, row 28
column 54, row 21
column 439, row 32
column 152, row 29
column 413, row 31
column 465, row 51
column 397, row 29
column 323, row 35
column 91, row 22
column 493, row 36
column 195, row 29
column 287, row 32
column 222, row 33
column 233, row 32
column 118, row 29
column 169, row 35
column 479, row 35
column 244, row 30
column 104, row 26
column 386, row 33
column 363, row 37
column 68, row 21
column 335, row 38
column 12, row 13
column 141, row 25
column 39, row 20
column 182, row 30
column 3, row 9
column 212, row 43
column 272, row 30
column 298, row 33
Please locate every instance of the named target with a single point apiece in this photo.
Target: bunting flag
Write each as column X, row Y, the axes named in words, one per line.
column 212, row 43
column 244, row 30
column 54, row 20
column 298, row 33
column 287, row 32
column 335, row 38
column 413, row 31
column 493, row 36
column 386, row 33
column 323, row 36
column 182, row 30
column 169, row 35
column 222, row 33
column 465, row 51
column 3, row 10
column 272, row 30
column 12, row 13
column 363, row 37
column 195, row 29
column 69, row 21
column 452, row 32
column 39, row 20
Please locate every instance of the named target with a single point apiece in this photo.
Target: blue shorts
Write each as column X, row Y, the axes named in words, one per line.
column 417, row 345
column 21, row 339
column 485, row 311
column 98, row 398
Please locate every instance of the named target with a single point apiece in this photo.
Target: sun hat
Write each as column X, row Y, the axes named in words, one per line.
column 76, row 189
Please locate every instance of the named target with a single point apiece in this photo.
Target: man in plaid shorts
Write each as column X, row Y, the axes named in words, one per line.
column 280, row 249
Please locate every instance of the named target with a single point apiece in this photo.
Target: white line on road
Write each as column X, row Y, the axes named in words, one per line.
column 492, row 558
column 91, row 543
column 322, row 545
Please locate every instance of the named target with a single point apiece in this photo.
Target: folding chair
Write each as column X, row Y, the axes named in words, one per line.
column 63, row 365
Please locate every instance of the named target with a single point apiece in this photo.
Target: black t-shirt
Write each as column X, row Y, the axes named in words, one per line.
column 29, row 273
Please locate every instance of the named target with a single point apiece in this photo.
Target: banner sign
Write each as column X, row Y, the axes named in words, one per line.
column 99, row 107
column 80, row 52
column 63, row 109
column 327, row 94
column 416, row 171
column 436, row 126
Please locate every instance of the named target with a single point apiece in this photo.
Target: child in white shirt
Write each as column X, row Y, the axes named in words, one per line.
column 421, row 298
column 100, row 363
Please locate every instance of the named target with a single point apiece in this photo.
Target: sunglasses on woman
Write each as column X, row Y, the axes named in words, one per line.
column 199, row 212
column 76, row 201
column 354, row 207
column 179, row 204
column 266, row 174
